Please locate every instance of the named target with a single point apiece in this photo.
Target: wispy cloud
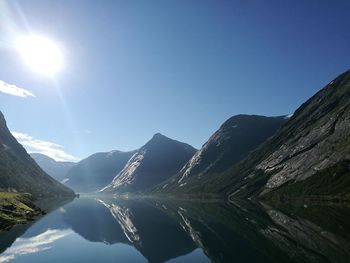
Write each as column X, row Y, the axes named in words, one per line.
column 50, row 149
column 24, row 246
column 14, row 90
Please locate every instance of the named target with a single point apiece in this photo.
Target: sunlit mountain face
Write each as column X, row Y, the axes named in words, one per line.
column 168, row 231
column 158, row 160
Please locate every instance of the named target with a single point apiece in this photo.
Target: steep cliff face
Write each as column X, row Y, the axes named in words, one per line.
column 156, row 161
column 229, row 144
column 20, row 173
column 315, row 142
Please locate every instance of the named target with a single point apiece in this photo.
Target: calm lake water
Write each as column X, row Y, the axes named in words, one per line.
column 96, row 230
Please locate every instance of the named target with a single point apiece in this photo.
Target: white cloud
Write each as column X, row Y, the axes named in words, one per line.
column 14, row 90
column 24, row 246
column 50, row 149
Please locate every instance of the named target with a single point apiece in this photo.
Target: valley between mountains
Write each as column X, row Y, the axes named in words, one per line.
column 303, row 156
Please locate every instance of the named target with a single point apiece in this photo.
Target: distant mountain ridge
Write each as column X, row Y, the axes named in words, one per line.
column 156, row 161
column 55, row 169
column 20, row 173
column 97, row 170
column 236, row 137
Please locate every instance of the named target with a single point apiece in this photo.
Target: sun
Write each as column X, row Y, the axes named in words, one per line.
column 41, row 54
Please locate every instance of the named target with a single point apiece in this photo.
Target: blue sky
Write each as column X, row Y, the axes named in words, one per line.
column 134, row 68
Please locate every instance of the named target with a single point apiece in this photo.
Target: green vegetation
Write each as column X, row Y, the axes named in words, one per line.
column 16, row 208
column 330, row 184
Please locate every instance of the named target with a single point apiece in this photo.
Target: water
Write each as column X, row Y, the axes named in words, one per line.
column 96, row 230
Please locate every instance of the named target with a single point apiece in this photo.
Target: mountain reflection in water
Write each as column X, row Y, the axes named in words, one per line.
column 114, row 230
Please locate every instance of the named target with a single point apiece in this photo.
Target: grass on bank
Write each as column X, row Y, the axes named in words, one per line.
column 16, row 208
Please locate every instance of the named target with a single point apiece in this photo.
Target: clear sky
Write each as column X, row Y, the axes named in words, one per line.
column 181, row 68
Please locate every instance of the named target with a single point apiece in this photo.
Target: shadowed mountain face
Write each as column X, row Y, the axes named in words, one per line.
column 156, row 235
column 55, row 169
column 309, row 156
column 231, row 143
column 19, row 172
column 249, row 232
column 96, row 171
column 166, row 230
column 155, row 162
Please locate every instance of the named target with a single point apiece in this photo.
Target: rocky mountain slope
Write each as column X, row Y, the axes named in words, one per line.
column 156, row 161
column 231, row 143
column 308, row 157
column 55, row 169
column 20, row 173
column 97, row 170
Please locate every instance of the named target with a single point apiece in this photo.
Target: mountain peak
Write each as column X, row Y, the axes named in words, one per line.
column 160, row 141
column 249, row 120
column 159, row 135
column 156, row 161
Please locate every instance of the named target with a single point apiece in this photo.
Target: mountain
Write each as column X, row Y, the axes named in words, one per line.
column 55, row 169
column 136, row 224
column 20, row 173
column 308, row 157
column 231, row 143
column 255, row 232
column 156, row 161
column 97, row 170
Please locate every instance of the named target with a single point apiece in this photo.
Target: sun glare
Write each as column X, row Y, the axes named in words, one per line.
column 41, row 54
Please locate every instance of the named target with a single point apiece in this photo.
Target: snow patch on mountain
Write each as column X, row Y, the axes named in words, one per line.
column 289, row 116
